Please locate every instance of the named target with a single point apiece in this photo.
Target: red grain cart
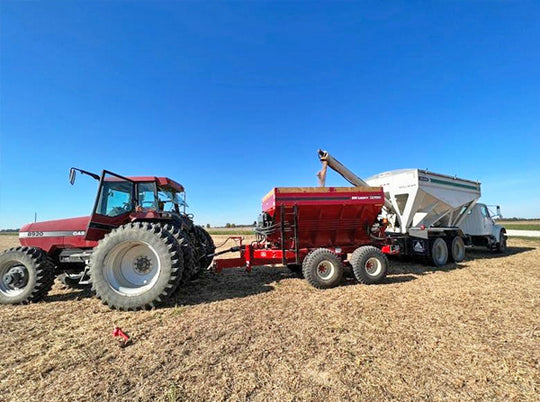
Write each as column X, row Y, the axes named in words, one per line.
column 312, row 230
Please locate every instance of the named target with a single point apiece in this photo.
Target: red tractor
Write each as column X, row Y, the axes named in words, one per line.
column 135, row 249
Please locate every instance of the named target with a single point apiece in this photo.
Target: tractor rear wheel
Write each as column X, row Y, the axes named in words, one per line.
column 322, row 268
column 136, row 266
column 208, row 247
column 439, row 252
column 369, row 264
column 188, row 251
column 26, row 275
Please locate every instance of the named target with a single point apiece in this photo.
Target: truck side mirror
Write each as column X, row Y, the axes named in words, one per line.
column 72, row 176
column 499, row 212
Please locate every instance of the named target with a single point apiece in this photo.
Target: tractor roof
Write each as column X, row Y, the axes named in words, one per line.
column 161, row 181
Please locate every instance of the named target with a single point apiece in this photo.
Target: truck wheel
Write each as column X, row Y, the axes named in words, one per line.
column 439, row 252
column 369, row 264
column 187, row 248
column 208, row 247
column 322, row 268
column 501, row 245
column 26, row 275
column 457, row 249
column 136, row 266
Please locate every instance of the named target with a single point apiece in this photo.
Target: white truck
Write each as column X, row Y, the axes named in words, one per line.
column 427, row 214
column 481, row 228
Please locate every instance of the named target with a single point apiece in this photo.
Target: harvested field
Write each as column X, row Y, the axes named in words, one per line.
column 470, row 331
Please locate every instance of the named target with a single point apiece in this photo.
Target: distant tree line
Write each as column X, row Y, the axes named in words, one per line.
column 520, row 219
column 9, row 230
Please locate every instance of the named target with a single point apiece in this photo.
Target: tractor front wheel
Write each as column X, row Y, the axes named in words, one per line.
column 322, row 268
column 136, row 266
column 26, row 275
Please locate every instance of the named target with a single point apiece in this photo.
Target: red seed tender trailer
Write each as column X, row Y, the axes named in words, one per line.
column 313, row 230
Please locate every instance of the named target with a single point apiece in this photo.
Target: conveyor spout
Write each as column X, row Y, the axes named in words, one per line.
column 328, row 160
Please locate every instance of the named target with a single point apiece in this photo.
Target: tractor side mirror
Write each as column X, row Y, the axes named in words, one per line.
column 72, row 176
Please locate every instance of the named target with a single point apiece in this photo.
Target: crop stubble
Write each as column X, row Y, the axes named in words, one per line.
column 470, row 331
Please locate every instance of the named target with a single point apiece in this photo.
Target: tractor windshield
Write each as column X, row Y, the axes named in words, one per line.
column 115, row 198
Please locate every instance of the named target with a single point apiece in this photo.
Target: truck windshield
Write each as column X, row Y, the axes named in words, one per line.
column 116, row 197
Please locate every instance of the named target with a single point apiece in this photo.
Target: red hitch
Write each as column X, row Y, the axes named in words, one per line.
column 390, row 249
column 125, row 341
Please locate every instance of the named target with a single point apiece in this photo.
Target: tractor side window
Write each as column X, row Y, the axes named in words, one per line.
column 170, row 200
column 166, row 200
column 115, row 198
column 147, row 198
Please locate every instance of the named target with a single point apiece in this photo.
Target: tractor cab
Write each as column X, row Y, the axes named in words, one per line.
column 124, row 199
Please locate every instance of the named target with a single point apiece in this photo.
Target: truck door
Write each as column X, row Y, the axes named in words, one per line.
column 115, row 200
column 487, row 222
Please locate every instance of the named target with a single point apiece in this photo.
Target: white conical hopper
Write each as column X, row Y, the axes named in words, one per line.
column 419, row 197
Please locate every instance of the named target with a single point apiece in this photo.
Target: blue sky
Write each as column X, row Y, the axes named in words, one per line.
column 232, row 99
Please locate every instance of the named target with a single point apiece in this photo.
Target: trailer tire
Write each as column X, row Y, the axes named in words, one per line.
column 439, row 252
column 26, row 275
column 370, row 265
column 208, row 247
column 457, row 249
column 136, row 266
column 501, row 245
column 322, row 268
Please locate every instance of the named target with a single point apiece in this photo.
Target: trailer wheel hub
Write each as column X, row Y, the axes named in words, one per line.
column 373, row 266
column 325, row 270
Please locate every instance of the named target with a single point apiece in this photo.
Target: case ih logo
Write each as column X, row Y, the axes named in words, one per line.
column 371, row 197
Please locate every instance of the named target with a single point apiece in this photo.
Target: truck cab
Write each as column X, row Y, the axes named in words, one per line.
column 481, row 229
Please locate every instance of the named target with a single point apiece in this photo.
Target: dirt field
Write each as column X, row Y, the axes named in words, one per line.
column 465, row 332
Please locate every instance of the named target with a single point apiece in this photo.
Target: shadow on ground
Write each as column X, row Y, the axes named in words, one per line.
column 232, row 284
column 237, row 283
column 483, row 254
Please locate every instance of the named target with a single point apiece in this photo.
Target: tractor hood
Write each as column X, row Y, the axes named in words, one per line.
column 57, row 234
column 58, row 227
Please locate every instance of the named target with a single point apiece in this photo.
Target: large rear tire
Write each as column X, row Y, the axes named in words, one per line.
column 439, row 252
column 136, row 266
column 369, row 264
column 26, row 275
column 208, row 247
column 188, row 251
column 322, row 268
